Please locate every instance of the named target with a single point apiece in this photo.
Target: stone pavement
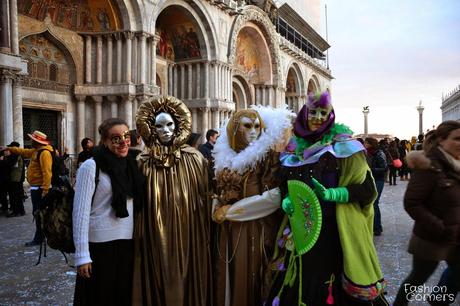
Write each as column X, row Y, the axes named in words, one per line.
column 52, row 281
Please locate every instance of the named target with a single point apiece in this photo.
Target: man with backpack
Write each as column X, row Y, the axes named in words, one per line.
column 39, row 174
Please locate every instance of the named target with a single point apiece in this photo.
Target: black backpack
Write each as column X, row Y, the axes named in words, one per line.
column 55, row 214
column 58, row 168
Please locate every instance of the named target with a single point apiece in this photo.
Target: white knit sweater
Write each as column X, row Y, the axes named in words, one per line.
column 96, row 222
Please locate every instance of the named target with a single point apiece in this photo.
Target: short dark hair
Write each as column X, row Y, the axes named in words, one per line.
column 84, row 142
column 373, row 142
column 106, row 125
column 211, row 133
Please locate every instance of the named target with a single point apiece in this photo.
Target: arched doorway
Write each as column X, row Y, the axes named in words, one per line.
column 242, row 96
column 313, row 85
column 253, row 62
column 181, row 53
column 294, row 96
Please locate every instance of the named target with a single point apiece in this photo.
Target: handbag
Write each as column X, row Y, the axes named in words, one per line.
column 397, row 163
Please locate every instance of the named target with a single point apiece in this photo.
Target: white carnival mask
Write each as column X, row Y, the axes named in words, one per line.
column 164, row 126
column 250, row 128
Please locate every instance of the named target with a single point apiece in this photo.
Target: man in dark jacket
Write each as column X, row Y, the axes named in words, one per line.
column 206, row 150
column 87, row 145
column 378, row 164
column 15, row 186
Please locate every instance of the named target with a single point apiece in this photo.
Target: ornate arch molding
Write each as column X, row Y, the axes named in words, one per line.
column 130, row 14
column 247, row 87
column 300, row 77
column 257, row 16
column 201, row 17
column 315, row 81
column 70, row 41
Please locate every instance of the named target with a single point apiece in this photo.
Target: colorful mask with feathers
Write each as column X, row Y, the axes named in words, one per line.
column 315, row 118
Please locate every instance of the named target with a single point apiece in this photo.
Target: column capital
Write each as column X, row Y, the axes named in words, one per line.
column 128, row 35
column 6, row 76
column 204, row 109
column 143, row 35
column 80, row 98
column 117, row 35
column 112, row 98
column 97, row 99
column 18, row 80
column 141, row 98
column 155, row 39
column 215, row 109
column 129, row 98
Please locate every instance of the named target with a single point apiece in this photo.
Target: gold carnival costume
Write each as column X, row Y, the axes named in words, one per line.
column 247, row 204
column 172, row 254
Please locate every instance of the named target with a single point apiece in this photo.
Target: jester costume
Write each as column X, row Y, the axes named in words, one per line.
column 342, row 267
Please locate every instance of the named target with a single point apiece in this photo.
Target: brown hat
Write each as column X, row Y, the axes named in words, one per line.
column 39, row 137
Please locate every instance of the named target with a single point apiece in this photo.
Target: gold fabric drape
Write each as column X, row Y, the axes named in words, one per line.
column 246, row 246
column 172, row 251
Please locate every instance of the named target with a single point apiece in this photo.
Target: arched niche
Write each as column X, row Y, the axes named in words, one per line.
column 253, row 56
column 242, row 96
column 254, row 15
column 184, row 35
column 294, row 96
column 313, row 85
column 198, row 15
column 75, row 15
column 48, row 59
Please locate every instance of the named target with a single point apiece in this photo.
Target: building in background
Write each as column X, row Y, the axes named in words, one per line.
column 451, row 105
column 65, row 66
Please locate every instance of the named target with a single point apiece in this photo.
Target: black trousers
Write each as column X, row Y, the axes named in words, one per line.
column 421, row 271
column 16, row 195
column 111, row 280
column 3, row 197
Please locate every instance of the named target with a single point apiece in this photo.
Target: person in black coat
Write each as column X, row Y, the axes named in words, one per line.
column 377, row 162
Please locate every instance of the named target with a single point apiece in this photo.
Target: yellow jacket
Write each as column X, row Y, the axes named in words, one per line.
column 39, row 172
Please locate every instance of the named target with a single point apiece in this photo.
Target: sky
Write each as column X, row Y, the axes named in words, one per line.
column 390, row 55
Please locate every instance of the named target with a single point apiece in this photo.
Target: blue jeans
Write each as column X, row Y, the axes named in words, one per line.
column 36, row 196
column 377, row 217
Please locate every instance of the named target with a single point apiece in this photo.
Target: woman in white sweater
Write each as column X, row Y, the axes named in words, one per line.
column 108, row 192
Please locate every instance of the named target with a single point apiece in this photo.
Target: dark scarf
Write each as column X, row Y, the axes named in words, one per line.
column 125, row 176
column 301, row 126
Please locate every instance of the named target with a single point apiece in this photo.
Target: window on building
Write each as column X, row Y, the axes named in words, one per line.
column 53, row 72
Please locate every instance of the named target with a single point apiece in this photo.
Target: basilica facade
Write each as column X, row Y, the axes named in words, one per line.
column 65, row 66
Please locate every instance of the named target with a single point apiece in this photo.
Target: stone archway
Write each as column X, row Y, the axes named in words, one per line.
column 242, row 96
column 313, row 85
column 295, row 89
column 253, row 14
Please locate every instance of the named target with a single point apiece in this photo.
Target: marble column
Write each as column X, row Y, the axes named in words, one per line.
column 134, row 60
column 189, row 81
column 143, row 58
column 199, row 95
column 88, row 59
column 81, row 124
column 153, row 58
column 182, row 94
column 206, row 80
column 194, row 120
column 175, row 80
column 99, row 59
column 118, row 37
column 97, row 115
column 204, row 120
column 14, row 26
column 128, row 37
column 6, row 108
column 128, row 110
column 213, row 76
column 113, row 106
column 215, row 118
column 17, row 111
column 170, row 79
column 109, row 59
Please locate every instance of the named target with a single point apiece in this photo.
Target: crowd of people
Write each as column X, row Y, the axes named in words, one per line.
column 161, row 218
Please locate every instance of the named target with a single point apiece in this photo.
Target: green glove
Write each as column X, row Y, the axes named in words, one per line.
column 287, row 206
column 339, row 194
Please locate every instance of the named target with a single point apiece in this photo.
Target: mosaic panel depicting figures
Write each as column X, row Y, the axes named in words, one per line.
column 290, row 83
column 248, row 56
column 76, row 15
column 45, row 60
column 179, row 38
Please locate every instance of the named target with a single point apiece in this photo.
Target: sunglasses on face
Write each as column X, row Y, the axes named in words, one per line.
column 118, row 139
